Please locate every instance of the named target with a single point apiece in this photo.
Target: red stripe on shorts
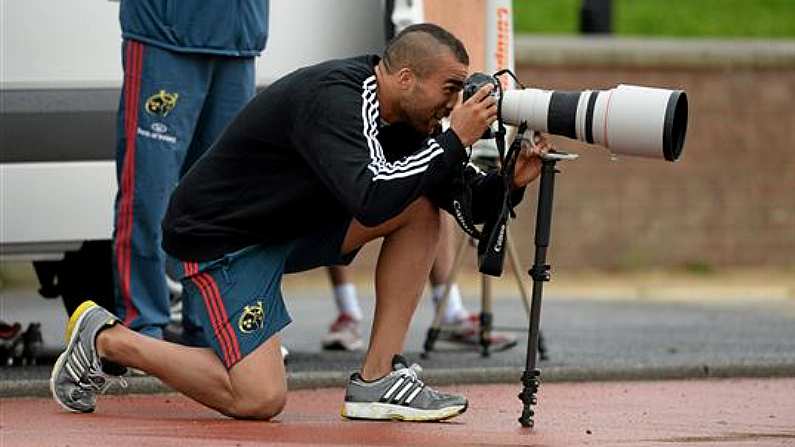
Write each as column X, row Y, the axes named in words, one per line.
column 235, row 357
column 201, row 281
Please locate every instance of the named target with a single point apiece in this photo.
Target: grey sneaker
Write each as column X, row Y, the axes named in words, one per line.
column 78, row 373
column 399, row 395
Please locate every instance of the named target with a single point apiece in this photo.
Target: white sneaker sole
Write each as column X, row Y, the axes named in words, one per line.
column 382, row 411
column 62, row 359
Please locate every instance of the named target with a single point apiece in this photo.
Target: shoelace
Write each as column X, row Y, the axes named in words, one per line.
column 412, row 372
column 94, row 380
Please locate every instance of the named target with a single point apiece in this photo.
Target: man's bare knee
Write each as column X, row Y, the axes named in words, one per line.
column 252, row 395
column 262, row 407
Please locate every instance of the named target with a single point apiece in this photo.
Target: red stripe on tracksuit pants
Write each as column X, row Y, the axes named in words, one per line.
column 132, row 90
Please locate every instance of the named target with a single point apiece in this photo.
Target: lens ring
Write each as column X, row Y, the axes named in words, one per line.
column 675, row 125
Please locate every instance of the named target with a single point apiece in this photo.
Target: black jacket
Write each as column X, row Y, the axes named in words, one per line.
column 309, row 150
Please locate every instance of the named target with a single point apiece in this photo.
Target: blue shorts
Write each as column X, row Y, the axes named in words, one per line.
column 241, row 291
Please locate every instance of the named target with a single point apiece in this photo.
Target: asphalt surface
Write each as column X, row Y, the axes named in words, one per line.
column 697, row 413
column 588, row 339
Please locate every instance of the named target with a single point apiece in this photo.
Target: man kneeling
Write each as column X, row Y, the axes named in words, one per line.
column 323, row 161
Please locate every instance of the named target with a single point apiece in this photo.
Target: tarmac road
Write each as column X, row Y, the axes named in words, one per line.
column 588, row 339
column 726, row 412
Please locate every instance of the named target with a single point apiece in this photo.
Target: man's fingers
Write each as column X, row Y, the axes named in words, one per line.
column 533, row 151
column 481, row 93
column 489, row 101
column 539, row 148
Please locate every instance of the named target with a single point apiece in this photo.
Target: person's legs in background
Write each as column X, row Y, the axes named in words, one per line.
column 161, row 99
column 232, row 85
column 463, row 326
column 344, row 333
column 440, row 274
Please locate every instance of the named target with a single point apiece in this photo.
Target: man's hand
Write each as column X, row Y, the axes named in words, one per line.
column 528, row 164
column 470, row 119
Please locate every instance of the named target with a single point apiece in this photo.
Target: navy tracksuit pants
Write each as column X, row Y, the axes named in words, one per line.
column 173, row 106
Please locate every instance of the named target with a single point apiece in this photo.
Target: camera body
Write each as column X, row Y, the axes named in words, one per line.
column 476, row 81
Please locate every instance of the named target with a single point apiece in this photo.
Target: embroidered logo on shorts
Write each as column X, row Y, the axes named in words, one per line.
column 252, row 318
column 161, row 103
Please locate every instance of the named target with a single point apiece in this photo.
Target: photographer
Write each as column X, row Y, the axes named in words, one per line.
column 325, row 160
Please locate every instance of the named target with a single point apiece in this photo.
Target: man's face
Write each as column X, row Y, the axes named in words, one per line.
column 431, row 98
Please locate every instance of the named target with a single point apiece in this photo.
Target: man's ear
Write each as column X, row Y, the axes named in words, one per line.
column 406, row 78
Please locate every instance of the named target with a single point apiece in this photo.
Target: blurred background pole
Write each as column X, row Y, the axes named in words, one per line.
column 389, row 25
column 596, row 17
column 499, row 51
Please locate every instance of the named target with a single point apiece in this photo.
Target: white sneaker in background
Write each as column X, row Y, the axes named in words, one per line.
column 466, row 331
column 343, row 335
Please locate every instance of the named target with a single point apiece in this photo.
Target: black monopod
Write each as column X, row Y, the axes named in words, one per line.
column 540, row 272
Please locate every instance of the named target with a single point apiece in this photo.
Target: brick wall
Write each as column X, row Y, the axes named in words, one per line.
column 730, row 199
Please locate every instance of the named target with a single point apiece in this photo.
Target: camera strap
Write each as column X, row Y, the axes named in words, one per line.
column 491, row 247
column 462, row 204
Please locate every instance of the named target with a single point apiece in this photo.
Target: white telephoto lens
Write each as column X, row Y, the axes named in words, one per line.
column 631, row 120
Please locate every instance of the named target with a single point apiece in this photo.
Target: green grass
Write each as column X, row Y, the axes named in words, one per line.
column 546, row 16
column 666, row 18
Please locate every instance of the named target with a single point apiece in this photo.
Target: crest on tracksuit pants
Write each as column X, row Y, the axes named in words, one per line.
column 161, row 103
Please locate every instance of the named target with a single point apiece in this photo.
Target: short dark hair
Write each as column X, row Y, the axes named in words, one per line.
column 411, row 48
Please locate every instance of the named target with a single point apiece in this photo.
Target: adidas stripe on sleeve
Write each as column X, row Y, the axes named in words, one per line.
column 339, row 138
